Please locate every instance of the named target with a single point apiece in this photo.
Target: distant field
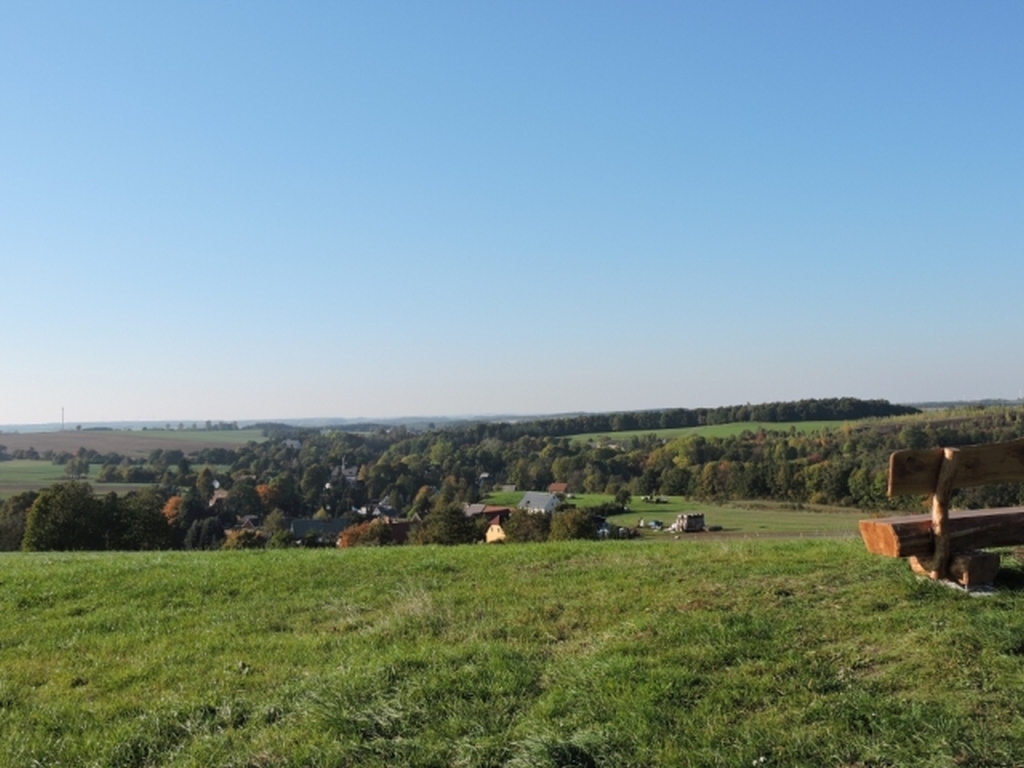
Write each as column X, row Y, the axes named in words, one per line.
column 133, row 443
column 25, row 475
column 714, row 430
column 747, row 518
column 737, row 653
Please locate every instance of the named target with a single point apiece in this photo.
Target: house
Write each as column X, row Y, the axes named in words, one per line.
column 400, row 530
column 324, row 531
column 472, row 510
column 490, row 510
column 536, row 501
column 348, row 474
column 218, row 495
column 495, row 533
column 247, row 523
column 559, row 488
column 381, row 509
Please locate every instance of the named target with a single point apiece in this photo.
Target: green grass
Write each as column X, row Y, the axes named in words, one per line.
column 714, row 430
column 503, row 498
column 737, row 653
column 748, row 518
column 28, row 475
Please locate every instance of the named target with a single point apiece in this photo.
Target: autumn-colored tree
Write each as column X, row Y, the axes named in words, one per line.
column 170, row 509
column 269, row 496
column 376, row 533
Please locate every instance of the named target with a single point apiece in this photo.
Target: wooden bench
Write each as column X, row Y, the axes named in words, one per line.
column 944, row 544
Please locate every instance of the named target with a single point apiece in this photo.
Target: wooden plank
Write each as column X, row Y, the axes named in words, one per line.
column 917, row 471
column 911, row 535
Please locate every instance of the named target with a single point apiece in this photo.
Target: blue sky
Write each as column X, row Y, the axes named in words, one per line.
column 281, row 210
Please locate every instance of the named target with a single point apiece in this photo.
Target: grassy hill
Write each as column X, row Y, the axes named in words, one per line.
column 730, row 653
column 711, row 430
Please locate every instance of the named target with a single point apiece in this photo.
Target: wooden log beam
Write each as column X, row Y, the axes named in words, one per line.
column 917, row 471
column 912, row 535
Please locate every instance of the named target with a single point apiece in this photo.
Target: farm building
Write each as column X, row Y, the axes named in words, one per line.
column 688, row 523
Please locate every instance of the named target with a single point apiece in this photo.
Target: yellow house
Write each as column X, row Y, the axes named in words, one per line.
column 495, row 533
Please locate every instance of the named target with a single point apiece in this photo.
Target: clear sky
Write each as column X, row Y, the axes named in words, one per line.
column 281, row 210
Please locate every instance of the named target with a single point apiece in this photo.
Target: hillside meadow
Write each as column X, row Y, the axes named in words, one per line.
column 134, row 443
column 742, row 518
column 19, row 475
column 711, row 430
column 730, row 653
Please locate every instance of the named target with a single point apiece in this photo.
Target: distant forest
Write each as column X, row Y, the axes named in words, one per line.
column 832, row 409
column 299, row 473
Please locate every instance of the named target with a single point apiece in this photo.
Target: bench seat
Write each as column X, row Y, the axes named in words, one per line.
column 911, row 535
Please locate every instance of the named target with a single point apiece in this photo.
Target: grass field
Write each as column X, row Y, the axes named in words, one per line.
column 748, row 518
column 714, row 430
column 131, row 443
column 25, row 475
column 733, row 653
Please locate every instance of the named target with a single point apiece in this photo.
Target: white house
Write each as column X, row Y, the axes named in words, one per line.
column 535, row 501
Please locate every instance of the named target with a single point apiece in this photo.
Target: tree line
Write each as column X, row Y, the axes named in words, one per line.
column 331, row 473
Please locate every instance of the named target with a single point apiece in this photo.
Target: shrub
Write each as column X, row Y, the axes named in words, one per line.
column 281, row 540
column 245, row 540
column 12, row 519
column 447, row 524
column 523, row 526
column 66, row 516
column 573, row 524
column 376, row 533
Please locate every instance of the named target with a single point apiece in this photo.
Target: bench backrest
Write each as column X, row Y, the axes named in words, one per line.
column 914, row 471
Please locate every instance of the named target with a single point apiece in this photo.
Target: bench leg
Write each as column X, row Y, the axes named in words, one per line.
column 969, row 569
column 939, row 566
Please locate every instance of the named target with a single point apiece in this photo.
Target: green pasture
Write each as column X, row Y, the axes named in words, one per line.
column 740, row 653
column 503, row 498
column 746, row 518
column 712, row 430
column 21, row 475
